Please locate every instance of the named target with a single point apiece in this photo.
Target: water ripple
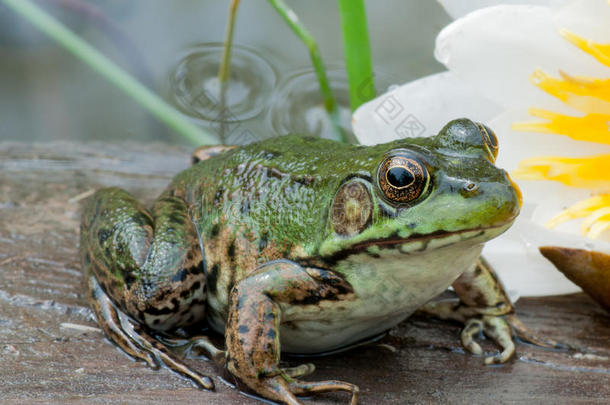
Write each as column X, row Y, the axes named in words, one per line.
column 298, row 106
column 196, row 89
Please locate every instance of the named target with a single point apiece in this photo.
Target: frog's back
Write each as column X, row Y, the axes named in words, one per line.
column 261, row 202
column 272, row 185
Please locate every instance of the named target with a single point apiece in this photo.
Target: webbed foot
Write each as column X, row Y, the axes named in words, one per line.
column 502, row 329
column 495, row 328
column 498, row 326
column 483, row 306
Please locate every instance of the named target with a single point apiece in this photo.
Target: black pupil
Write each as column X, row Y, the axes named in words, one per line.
column 400, row 177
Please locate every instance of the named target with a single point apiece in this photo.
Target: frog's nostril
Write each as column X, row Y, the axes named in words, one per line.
column 469, row 189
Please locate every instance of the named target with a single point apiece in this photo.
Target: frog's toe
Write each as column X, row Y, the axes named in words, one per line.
column 164, row 356
column 299, row 371
column 278, row 389
column 117, row 329
column 500, row 332
column 525, row 334
column 473, row 328
column 212, row 352
column 285, row 389
column 307, row 387
column 134, row 341
column 494, row 327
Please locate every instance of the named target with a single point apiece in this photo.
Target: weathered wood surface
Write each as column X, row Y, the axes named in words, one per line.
column 52, row 352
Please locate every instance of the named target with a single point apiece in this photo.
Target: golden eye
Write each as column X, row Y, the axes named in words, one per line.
column 490, row 139
column 403, row 178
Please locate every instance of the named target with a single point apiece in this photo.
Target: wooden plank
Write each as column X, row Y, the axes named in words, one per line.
column 51, row 350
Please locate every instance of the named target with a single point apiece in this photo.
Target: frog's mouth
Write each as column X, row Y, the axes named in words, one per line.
column 434, row 240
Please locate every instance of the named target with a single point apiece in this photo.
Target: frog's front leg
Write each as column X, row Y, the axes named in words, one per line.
column 146, row 265
column 484, row 306
column 252, row 330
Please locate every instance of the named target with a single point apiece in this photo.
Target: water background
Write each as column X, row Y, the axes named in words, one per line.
column 46, row 94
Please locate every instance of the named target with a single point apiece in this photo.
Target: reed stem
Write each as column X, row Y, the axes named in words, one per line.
column 330, row 104
column 108, row 69
column 224, row 71
column 357, row 52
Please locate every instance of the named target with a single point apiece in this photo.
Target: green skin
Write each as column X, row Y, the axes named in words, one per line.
column 265, row 243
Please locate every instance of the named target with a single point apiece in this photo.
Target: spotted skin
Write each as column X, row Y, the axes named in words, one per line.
column 252, row 338
column 149, row 264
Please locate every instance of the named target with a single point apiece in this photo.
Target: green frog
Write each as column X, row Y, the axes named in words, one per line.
column 304, row 245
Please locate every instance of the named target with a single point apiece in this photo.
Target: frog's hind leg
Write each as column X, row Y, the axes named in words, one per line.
column 485, row 279
column 147, row 266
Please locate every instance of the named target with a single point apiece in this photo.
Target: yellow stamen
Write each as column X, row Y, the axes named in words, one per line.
column 580, row 209
column 598, row 228
column 601, row 52
column 589, row 172
column 591, row 96
column 586, row 94
column 590, row 127
column 591, row 224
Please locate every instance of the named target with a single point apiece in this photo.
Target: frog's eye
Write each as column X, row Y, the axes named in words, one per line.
column 489, row 139
column 403, row 178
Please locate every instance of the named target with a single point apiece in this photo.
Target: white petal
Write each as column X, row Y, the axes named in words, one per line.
column 419, row 108
column 523, row 269
column 515, row 257
column 459, row 8
column 496, row 49
column 586, row 18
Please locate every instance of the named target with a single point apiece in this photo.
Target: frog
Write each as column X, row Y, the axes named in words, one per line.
column 298, row 244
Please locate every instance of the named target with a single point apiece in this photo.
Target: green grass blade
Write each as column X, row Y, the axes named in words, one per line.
column 357, row 52
column 224, row 71
column 108, row 69
column 330, row 104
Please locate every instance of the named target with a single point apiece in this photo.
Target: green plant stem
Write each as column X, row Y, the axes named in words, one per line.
column 224, row 71
column 357, row 52
column 104, row 66
column 299, row 29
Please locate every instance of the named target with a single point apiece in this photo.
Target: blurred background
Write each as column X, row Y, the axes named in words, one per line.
column 174, row 48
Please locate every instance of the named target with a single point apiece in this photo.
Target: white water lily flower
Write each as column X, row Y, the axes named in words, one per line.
column 491, row 54
column 459, row 8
